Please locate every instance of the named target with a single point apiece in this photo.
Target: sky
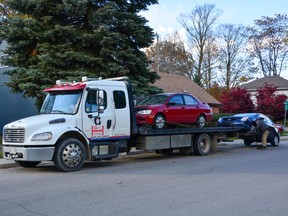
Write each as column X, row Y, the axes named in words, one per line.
column 163, row 16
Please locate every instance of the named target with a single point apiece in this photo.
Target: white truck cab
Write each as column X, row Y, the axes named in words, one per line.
column 84, row 120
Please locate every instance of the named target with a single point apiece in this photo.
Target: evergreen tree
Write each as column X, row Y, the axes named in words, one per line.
column 67, row 39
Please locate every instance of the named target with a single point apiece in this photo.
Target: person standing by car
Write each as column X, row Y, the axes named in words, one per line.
column 263, row 129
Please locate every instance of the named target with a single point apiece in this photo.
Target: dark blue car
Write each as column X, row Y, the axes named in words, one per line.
column 247, row 121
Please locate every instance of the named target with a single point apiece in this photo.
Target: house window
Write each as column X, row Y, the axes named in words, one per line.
column 1, row 58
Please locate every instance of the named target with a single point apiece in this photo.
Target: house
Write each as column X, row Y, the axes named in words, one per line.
column 277, row 81
column 13, row 106
column 174, row 83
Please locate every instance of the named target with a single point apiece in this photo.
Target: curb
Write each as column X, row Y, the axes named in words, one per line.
column 8, row 165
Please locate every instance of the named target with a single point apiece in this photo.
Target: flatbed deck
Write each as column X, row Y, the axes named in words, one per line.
column 192, row 130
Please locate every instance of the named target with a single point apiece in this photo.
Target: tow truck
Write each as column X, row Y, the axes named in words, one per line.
column 94, row 119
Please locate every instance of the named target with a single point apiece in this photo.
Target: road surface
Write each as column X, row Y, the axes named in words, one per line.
column 236, row 180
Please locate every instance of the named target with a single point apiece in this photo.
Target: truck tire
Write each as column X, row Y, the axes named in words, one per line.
column 69, row 155
column 202, row 144
column 27, row 164
column 248, row 142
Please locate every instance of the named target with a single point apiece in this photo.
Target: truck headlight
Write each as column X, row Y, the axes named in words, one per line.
column 144, row 112
column 42, row 136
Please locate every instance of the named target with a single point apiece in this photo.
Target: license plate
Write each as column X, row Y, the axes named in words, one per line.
column 13, row 151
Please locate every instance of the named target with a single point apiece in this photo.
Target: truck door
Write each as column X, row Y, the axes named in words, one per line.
column 97, row 118
column 121, row 124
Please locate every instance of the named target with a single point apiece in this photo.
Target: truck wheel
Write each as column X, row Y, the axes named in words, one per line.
column 201, row 121
column 159, row 121
column 27, row 164
column 202, row 145
column 69, row 155
column 275, row 141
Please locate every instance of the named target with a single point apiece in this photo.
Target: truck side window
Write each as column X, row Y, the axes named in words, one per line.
column 91, row 101
column 119, row 99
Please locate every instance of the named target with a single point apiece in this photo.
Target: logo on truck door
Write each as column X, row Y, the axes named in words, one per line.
column 98, row 131
column 97, row 120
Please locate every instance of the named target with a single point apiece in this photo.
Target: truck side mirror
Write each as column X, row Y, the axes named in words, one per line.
column 101, row 100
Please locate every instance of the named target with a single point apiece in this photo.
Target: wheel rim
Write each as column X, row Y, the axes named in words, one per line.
column 159, row 122
column 204, row 145
column 276, row 141
column 72, row 155
column 201, row 121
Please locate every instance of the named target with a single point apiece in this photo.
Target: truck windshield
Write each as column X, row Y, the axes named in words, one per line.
column 62, row 102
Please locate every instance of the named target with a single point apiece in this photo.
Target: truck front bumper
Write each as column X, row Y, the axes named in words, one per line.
column 28, row 154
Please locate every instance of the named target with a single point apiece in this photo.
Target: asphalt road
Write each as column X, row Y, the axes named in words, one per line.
column 236, row 180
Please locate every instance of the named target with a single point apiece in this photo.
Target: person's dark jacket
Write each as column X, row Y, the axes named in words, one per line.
column 262, row 126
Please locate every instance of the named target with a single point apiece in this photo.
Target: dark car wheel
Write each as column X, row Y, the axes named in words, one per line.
column 276, row 140
column 201, row 121
column 248, row 142
column 159, row 121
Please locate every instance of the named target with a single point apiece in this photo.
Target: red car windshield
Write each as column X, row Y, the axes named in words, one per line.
column 154, row 100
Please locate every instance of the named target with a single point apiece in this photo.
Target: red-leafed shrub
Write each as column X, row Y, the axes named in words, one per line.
column 270, row 103
column 236, row 100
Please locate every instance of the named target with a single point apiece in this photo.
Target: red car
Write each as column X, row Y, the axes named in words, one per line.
column 279, row 127
column 160, row 109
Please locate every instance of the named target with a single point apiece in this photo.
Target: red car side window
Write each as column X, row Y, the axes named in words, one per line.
column 189, row 100
column 176, row 100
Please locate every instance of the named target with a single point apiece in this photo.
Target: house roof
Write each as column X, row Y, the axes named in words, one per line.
column 276, row 81
column 174, row 83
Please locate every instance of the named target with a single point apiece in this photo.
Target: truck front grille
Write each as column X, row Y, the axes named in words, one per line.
column 14, row 135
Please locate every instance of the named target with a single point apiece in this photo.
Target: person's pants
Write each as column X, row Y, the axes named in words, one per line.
column 264, row 137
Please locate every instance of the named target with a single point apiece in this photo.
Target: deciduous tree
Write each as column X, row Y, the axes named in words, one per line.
column 232, row 62
column 199, row 25
column 267, row 44
column 270, row 103
column 170, row 56
column 215, row 90
column 236, row 100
